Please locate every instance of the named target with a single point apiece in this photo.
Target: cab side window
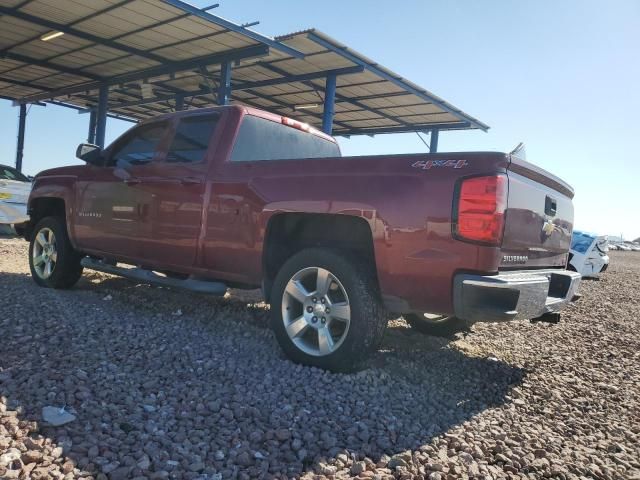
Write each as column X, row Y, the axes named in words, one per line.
column 139, row 147
column 191, row 140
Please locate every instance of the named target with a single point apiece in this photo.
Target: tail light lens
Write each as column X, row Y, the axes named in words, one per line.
column 290, row 122
column 481, row 204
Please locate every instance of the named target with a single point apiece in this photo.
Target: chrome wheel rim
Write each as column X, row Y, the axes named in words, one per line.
column 45, row 253
column 316, row 311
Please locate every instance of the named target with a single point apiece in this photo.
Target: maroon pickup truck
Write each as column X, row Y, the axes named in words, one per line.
column 236, row 197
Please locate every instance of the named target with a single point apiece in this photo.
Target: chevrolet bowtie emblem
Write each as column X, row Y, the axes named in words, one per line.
column 548, row 228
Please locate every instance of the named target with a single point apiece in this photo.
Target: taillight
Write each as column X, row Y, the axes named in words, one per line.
column 290, row 122
column 480, row 208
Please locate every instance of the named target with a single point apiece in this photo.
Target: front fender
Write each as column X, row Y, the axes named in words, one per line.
column 53, row 188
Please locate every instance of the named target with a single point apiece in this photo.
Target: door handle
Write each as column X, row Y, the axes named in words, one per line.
column 190, row 181
column 131, row 181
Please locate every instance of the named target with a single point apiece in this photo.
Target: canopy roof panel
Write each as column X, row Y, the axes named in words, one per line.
column 178, row 50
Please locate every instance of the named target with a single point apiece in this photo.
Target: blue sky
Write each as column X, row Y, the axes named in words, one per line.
column 561, row 76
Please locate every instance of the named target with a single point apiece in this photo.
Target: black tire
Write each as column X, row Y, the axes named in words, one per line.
column 445, row 327
column 67, row 269
column 367, row 315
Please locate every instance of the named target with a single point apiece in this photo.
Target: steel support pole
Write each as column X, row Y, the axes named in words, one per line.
column 22, row 120
column 101, row 114
column 179, row 102
column 224, row 90
column 91, row 138
column 329, row 104
column 433, row 143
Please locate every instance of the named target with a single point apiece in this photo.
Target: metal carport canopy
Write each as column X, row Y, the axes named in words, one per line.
column 149, row 57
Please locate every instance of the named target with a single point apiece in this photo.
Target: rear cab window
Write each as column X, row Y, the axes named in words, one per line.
column 260, row 139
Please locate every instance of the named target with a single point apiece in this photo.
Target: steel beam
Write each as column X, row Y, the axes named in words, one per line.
column 284, row 105
column 244, row 86
column 233, row 27
column 80, row 34
column 329, row 104
column 167, row 68
column 117, row 37
column 22, row 120
column 101, row 115
column 179, row 102
column 20, row 83
column 433, row 141
column 341, row 98
column 398, row 81
column 224, row 87
column 343, row 132
column 79, row 110
column 278, row 110
column 42, row 63
column 80, row 20
column 93, row 117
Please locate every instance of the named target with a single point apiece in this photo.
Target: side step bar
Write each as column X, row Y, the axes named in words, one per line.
column 147, row 276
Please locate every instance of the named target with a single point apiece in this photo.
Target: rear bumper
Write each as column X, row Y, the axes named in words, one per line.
column 514, row 295
column 15, row 213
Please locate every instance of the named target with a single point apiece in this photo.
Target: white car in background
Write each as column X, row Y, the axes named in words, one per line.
column 14, row 193
column 588, row 253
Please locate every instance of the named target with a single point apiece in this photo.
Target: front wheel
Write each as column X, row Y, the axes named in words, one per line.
column 326, row 310
column 436, row 325
column 52, row 259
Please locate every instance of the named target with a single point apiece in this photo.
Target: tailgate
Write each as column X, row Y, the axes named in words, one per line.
column 538, row 219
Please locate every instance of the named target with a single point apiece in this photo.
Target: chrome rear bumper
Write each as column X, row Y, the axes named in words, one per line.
column 513, row 295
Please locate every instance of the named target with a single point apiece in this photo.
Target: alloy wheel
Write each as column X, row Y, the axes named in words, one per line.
column 316, row 311
column 45, row 253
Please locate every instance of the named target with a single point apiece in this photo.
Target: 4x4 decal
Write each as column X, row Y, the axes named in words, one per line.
column 427, row 164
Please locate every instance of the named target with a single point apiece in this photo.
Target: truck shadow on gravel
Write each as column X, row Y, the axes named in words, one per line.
column 206, row 392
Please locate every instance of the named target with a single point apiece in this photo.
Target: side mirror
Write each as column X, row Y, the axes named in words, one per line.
column 92, row 154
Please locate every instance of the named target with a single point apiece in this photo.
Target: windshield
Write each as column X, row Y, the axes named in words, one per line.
column 9, row 173
column 581, row 242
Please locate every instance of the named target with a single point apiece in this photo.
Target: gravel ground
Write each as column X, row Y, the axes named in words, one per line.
column 172, row 385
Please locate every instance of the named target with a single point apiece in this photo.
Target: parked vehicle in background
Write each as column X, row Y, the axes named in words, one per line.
column 622, row 246
column 14, row 192
column 238, row 197
column 612, row 246
column 588, row 254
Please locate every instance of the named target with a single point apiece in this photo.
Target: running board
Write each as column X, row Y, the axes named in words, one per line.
column 147, row 276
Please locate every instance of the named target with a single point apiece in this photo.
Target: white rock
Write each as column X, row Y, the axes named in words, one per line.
column 11, row 455
column 57, row 416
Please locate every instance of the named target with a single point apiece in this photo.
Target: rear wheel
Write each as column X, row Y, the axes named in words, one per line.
column 52, row 260
column 436, row 325
column 326, row 310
